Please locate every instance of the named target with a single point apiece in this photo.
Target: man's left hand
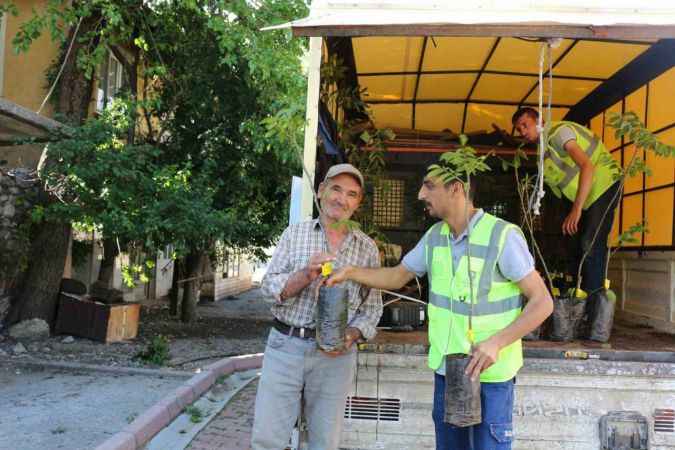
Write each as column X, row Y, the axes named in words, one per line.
column 484, row 355
column 352, row 335
column 571, row 224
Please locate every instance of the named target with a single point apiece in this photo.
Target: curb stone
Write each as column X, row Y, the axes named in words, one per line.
column 139, row 432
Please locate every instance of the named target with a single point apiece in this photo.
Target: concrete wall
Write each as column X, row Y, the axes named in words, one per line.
column 558, row 403
column 645, row 288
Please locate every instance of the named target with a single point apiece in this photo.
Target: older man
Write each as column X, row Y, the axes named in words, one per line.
column 293, row 364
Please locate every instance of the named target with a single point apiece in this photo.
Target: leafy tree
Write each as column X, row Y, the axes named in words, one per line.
column 184, row 159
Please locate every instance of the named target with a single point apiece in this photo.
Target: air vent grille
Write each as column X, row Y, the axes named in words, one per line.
column 664, row 420
column 371, row 408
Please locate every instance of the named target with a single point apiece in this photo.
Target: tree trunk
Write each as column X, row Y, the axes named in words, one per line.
column 38, row 294
column 110, row 253
column 39, row 288
column 193, row 270
column 173, row 293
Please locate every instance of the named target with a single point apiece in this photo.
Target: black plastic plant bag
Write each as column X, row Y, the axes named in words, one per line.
column 331, row 318
column 462, row 394
column 566, row 316
column 602, row 320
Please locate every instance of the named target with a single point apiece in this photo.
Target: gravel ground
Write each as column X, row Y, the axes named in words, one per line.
column 235, row 326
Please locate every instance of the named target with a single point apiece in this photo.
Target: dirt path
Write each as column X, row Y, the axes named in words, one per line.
column 229, row 327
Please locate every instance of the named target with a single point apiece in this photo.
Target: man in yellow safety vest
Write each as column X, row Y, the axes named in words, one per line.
column 483, row 317
column 575, row 167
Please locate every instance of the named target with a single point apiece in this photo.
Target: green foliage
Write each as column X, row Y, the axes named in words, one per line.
column 195, row 413
column 9, row 8
column 629, row 236
column 629, row 126
column 156, row 352
column 517, row 161
column 460, row 164
column 202, row 165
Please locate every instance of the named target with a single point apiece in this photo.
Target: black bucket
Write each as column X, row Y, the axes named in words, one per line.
column 462, row 394
column 331, row 318
column 602, row 315
column 566, row 316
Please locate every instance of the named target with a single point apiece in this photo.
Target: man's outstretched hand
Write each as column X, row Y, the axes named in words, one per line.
column 339, row 276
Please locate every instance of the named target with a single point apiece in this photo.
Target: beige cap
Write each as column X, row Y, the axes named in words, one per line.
column 339, row 169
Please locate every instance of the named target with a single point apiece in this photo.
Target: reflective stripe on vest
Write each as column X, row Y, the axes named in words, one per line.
column 572, row 171
column 561, row 173
column 490, row 254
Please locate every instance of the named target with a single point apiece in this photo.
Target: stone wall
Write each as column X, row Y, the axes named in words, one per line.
column 18, row 191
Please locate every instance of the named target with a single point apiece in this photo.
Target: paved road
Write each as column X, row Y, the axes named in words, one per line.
column 53, row 409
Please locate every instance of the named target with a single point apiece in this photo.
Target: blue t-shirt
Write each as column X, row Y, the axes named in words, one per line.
column 514, row 264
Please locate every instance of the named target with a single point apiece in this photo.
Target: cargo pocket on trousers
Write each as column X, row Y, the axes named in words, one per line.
column 502, row 432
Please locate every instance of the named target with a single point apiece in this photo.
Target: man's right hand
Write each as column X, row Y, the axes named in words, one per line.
column 339, row 276
column 315, row 263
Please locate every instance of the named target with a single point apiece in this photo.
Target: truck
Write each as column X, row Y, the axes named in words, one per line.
column 432, row 71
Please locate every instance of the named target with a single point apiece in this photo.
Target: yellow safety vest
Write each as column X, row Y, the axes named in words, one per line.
column 561, row 172
column 497, row 302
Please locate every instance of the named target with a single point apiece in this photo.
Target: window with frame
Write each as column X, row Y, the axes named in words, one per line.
column 111, row 80
column 388, row 201
column 231, row 264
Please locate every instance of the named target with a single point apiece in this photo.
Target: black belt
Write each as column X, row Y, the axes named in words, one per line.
column 301, row 332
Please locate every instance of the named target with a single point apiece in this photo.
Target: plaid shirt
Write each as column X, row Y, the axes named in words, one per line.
column 296, row 246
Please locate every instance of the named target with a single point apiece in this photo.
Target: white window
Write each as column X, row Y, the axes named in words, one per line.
column 111, row 80
column 231, row 264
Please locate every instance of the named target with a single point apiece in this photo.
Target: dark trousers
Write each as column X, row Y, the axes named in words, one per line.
column 593, row 271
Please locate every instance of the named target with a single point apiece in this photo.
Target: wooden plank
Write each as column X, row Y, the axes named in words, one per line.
column 123, row 322
column 311, row 129
column 614, row 32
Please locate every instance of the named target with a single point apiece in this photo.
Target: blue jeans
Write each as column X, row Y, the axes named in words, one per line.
column 496, row 430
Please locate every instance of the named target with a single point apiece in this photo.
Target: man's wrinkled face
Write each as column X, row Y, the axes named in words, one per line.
column 436, row 197
column 340, row 197
column 526, row 126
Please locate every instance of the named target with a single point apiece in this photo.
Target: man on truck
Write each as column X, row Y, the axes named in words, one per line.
column 575, row 167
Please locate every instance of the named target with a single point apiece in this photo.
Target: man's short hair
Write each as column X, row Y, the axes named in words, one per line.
column 526, row 111
column 472, row 186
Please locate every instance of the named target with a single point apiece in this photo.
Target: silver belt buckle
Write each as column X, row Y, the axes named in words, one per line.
column 302, row 332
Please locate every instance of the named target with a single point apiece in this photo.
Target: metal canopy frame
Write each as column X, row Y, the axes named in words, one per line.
column 479, row 73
